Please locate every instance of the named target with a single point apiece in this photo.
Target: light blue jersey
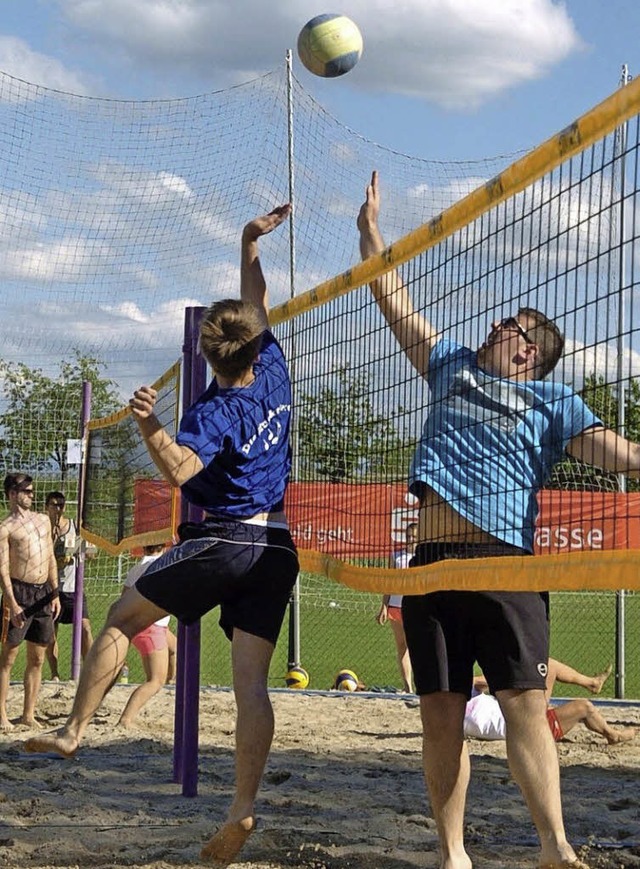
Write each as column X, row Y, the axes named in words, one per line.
column 241, row 436
column 489, row 444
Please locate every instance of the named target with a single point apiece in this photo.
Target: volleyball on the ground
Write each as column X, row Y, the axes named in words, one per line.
column 346, row 680
column 297, row 677
column 330, row 45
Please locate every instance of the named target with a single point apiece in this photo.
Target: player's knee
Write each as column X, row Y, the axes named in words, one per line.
column 442, row 715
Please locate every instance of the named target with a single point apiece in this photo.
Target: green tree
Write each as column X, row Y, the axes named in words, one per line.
column 42, row 412
column 602, row 398
column 341, row 437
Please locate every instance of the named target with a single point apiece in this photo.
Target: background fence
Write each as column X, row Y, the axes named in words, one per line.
column 118, row 215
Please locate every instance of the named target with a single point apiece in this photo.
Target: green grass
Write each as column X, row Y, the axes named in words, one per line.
column 338, row 630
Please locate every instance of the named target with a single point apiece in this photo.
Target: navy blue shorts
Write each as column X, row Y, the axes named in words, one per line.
column 506, row 633
column 247, row 570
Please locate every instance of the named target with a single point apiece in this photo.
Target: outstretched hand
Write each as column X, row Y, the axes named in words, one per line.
column 263, row 225
column 370, row 209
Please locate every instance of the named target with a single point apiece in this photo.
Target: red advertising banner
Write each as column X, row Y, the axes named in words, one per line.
column 152, row 508
column 369, row 520
column 574, row 521
column 350, row 521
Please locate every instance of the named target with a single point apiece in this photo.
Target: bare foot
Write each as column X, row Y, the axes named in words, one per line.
column 598, row 681
column 58, row 742
column 30, row 722
column 223, row 847
column 565, row 864
column 6, row 725
column 623, row 735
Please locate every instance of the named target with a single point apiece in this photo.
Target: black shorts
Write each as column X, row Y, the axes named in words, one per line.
column 35, row 601
column 249, row 570
column 68, row 606
column 507, row 633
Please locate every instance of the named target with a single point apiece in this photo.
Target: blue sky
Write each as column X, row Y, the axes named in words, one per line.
column 441, row 79
column 445, row 80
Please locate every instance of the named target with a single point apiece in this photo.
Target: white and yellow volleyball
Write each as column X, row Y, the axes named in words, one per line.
column 330, row 45
column 297, row 677
column 346, row 680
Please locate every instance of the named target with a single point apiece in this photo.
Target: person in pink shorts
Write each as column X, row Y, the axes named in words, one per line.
column 152, row 644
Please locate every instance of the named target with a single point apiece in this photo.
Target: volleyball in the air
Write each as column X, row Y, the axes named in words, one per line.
column 330, row 45
column 346, row 680
column 297, row 677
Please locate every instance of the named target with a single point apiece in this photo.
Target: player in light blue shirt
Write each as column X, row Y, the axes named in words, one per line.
column 493, row 432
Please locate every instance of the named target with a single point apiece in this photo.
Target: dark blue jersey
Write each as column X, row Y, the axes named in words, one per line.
column 241, row 436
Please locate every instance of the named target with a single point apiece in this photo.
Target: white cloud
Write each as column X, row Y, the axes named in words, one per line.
column 455, row 53
column 579, row 361
column 68, row 260
column 149, row 186
column 45, row 330
column 20, row 61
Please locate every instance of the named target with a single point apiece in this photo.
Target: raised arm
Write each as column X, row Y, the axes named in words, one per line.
column 253, row 288
column 413, row 332
column 605, row 449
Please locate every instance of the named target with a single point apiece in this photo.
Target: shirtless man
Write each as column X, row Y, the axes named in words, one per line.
column 30, row 602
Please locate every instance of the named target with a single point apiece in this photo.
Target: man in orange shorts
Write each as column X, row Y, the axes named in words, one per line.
column 484, row 719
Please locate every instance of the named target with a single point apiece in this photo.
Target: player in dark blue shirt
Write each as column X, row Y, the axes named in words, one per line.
column 232, row 458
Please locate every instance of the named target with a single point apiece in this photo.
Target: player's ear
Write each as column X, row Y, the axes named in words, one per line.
column 532, row 353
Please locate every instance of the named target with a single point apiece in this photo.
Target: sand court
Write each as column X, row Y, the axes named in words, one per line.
column 343, row 790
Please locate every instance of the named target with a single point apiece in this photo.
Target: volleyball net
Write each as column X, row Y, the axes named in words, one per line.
column 127, row 503
column 555, row 231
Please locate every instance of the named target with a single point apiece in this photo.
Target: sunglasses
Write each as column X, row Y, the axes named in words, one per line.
column 512, row 325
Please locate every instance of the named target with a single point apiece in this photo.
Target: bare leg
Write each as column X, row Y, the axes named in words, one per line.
column 404, row 662
column 53, row 654
column 86, row 638
column 254, row 731
column 583, row 711
column 561, row 672
column 32, row 681
column 172, row 648
column 8, row 657
column 446, row 771
column 131, row 614
column 155, row 667
column 533, row 761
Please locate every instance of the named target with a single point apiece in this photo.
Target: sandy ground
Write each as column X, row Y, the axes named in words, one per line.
column 343, row 790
